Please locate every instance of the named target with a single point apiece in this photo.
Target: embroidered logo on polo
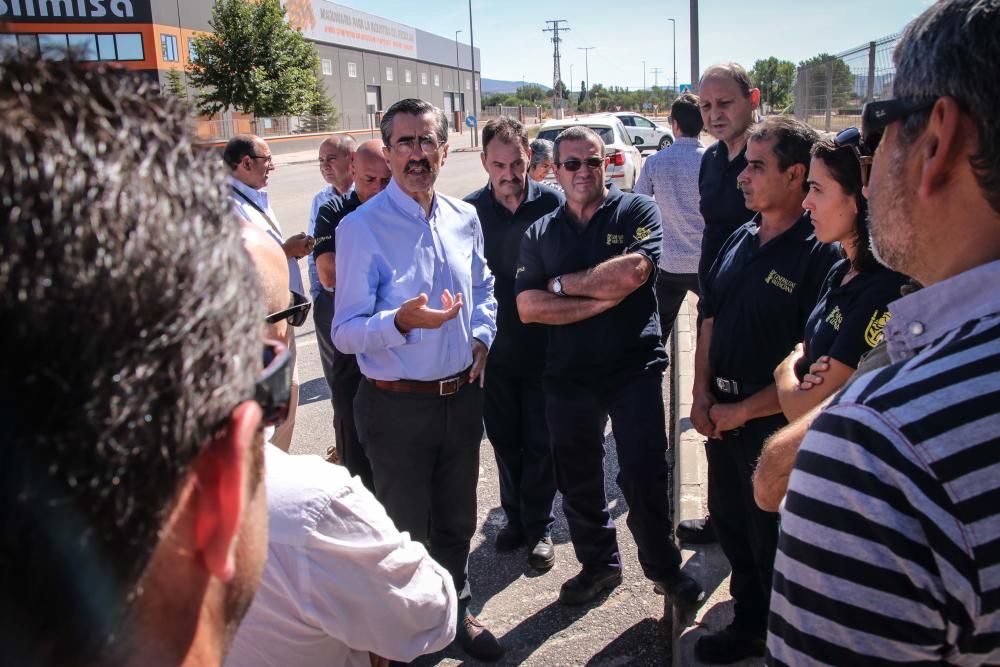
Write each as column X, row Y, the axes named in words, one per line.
column 779, row 281
column 835, row 318
column 615, row 239
column 873, row 333
column 641, row 234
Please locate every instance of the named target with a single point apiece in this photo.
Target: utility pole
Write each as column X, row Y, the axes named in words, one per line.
column 695, row 67
column 656, row 75
column 457, row 65
column 675, row 52
column 643, row 76
column 586, row 63
column 472, row 69
column 556, row 70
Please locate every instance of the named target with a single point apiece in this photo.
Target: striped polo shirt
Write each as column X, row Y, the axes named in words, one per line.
column 890, row 532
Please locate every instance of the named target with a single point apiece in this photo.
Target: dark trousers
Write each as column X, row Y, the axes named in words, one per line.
column 424, row 453
column 343, row 377
column 576, row 427
column 514, row 412
column 747, row 534
column 671, row 288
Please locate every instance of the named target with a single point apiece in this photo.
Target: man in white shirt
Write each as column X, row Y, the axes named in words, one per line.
column 249, row 160
column 341, row 586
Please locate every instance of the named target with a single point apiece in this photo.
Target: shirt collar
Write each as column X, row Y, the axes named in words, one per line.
column 801, row 229
column 407, row 204
column 611, row 199
column 259, row 197
column 534, row 192
column 687, row 141
column 920, row 318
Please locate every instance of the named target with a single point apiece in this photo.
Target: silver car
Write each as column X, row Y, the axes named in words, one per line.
column 624, row 158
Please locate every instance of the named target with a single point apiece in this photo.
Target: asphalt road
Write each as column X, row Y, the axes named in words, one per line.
column 518, row 604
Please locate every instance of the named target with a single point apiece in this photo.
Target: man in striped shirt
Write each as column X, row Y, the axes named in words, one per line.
column 890, row 544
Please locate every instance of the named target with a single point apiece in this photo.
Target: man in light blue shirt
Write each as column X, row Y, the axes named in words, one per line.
column 671, row 178
column 419, row 410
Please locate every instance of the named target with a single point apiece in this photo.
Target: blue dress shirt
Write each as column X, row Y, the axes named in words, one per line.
column 389, row 251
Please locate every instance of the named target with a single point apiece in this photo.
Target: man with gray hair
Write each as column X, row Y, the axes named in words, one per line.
column 890, row 528
column 586, row 270
column 419, row 410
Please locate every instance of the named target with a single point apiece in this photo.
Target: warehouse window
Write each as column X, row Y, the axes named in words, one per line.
column 437, row 79
column 408, row 76
column 352, row 70
column 423, row 78
column 327, row 67
column 168, row 48
column 388, row 74
column 468, row 84
column 129, row 46
column 52, row 46
column 192, row 50
column 84, row 45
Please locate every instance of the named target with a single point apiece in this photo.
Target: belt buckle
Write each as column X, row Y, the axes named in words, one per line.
column 449, row 386
column 724, row 385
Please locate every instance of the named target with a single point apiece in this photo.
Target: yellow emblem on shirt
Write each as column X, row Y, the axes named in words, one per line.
column 615, row 239
column 835, row 318
column 873, row 334
column 779, row 281
column 641, row 234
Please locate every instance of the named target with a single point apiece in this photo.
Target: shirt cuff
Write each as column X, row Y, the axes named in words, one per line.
column 384, row 325
column 484, row 335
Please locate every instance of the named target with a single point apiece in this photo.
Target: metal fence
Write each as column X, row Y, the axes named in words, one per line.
column 829, row 94
column 527, row 115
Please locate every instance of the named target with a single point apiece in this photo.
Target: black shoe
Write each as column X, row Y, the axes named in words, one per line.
column 475, row 639
column 727, row 646
column 684, row 592
column 509, row 538
column 543, row 556
column 696, row 531
column 586, row 586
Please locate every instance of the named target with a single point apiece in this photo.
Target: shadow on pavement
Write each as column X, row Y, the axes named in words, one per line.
column 649, row 634
column 314, row 390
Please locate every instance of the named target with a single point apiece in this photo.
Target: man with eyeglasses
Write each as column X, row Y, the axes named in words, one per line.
column 419, row 410
column 341, row 585
column 250, row 162
column 134, row 394
column 586, row 271
column 889, row 531
column 370, row 175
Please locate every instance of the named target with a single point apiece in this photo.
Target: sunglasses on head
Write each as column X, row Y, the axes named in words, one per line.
column 851, row 139
column 296, row 313
column 273, row 389
column 876, row 116
column 573, row 164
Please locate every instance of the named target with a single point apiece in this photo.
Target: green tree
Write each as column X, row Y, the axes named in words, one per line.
column 843, row 81
column 531, row 92
column 175, row 86
column 321, row 115
column 254, row 62
column 776, row 79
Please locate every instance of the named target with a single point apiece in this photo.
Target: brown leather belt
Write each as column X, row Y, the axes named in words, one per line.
column 443, row 387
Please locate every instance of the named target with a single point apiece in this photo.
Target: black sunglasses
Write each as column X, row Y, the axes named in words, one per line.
column 876, row 116
column 573, row 164
column 296, row 313
column 273, row 389
column 851, row 140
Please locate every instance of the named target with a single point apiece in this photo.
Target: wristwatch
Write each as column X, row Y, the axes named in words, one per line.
column 557, row 287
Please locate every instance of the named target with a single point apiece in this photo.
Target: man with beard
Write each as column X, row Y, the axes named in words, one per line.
column 370, row 174
column 133, row 511
column 889, row 531
column 514, row 410
column 419, row 410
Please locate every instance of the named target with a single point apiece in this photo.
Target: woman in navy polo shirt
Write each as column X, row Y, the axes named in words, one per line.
column 852, row 308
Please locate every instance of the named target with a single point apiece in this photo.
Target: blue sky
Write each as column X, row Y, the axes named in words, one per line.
column 509, row 32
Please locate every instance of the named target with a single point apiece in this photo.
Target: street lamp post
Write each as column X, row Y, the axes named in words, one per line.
column 458, row 65
column 586, row 64
column 472, row 68
column 672, row 21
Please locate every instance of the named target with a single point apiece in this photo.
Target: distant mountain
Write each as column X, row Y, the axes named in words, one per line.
column 491, row 86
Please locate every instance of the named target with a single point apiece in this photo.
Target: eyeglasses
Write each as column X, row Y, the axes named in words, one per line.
column 573, row 164
column 268, row 159
column 273, row 389
column 851, row 139
column 296, row 313
column 406, row 145
column 876, row 116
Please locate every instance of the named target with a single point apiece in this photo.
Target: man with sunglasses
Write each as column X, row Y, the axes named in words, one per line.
column 587, row 271
column 514, row 409
column 370, row 175
column 419, row 410
column 250, row 163
column 889, row 531
column 341, row 585
column 131, row 490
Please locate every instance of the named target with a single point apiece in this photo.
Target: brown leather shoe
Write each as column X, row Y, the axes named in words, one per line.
column 476, row 640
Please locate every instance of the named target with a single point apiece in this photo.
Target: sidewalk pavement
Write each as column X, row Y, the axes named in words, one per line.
column 705, row 563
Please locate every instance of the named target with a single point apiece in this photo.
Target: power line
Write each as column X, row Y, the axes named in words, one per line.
column 556, row 70
column 655, row 71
